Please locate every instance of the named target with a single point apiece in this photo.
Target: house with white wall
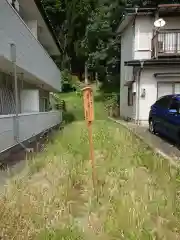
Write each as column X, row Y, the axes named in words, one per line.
column 28, row 73
column 150, row 59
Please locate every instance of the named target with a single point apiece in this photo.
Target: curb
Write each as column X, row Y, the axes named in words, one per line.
column 154, row 149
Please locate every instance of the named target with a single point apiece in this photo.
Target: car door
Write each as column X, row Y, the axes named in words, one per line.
column 172, row 120
column 160, row 110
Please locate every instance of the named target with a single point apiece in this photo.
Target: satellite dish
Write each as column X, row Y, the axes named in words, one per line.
column 159, row 23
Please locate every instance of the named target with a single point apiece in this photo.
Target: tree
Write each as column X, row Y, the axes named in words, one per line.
column 101, row 45
column 150, row 3
column 69, row 19
column 86, row 30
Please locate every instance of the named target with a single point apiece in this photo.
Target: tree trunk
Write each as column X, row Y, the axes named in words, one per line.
column 96, row 78
column 86, row 73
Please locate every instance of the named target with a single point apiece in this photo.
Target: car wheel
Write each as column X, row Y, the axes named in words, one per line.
column 152, row 127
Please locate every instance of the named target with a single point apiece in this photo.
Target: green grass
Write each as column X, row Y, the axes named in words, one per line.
column 138, row 191
column 74, row 104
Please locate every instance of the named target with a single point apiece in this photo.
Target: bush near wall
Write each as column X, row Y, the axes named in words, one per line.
column 70, row 82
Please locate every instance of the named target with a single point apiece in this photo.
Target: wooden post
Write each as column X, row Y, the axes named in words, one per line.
column 91, row 148
column 89, row 117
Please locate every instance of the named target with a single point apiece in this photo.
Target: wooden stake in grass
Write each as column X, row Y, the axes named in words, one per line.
column 89, row 117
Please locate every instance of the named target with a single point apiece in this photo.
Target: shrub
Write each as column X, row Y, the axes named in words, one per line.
column 112, row 104
column 70, row 82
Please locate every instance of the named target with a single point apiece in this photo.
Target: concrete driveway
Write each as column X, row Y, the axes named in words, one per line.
column 165, row 146
column 160, row 144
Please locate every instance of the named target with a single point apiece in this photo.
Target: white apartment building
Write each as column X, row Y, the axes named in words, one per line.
column 27, row 44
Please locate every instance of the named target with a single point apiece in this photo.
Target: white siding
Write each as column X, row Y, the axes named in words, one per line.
column 149, row 83
column 27, row 128
column 143, row 37
column 126, row 72
column 33, row 26
column 31, row 56
column 171, row 23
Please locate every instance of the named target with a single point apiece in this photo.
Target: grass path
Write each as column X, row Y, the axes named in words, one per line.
column 53, row 199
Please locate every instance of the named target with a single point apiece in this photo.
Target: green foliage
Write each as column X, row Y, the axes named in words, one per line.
column 66, row 81
column 69, row 19
column 138, row 191
column 66, row 76
column 75, row 82
column 86, row 30
column 149, row 3
column 100, row 42
column 70, row 82
column 69, row 233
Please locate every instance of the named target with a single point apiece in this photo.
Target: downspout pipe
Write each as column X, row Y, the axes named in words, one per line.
column 16, row 125
column 138, row 88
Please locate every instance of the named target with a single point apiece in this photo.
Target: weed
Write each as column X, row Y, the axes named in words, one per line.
column 138, row 191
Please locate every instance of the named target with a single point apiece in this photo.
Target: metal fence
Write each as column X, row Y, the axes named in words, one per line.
column 7, row 101
column 166, row 43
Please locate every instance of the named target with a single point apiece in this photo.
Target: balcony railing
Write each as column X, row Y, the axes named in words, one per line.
column 32, row 58
column 27, row 130
column 166, row 43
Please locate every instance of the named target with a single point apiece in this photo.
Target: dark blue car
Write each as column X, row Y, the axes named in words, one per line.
column 164, row 117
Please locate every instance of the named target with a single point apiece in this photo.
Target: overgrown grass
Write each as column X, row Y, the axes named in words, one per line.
column 138, row 191
column 74, row 103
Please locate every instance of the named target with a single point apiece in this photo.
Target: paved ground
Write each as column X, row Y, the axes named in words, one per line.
column 164, row 145
column 160, row 144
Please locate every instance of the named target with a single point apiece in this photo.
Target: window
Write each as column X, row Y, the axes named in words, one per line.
column 165, row 88
column 44, row 104
column 130, row 96
column 175, row 105
column 164, row 102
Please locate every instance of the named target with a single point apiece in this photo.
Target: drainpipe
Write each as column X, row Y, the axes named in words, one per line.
column 138, row 91
column 13, row 58
column 16, row 125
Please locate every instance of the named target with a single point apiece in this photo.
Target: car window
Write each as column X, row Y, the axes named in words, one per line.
column 164, row 102
column 175, row 105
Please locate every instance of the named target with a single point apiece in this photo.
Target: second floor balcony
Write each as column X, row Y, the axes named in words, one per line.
column 32, row 58
column 166, row 44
